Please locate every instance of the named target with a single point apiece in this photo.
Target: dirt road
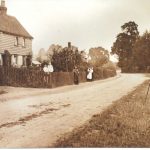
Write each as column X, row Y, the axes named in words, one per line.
column 37, row 117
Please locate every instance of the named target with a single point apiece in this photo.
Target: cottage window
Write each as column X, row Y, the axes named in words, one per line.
column 1, row 60
column 15, row 59
column 24, row 42
column 16, row 41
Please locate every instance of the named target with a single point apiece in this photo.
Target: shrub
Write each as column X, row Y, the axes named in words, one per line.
column 98, row 73
column 108, row 70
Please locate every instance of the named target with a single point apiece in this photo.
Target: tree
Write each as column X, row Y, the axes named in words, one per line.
column 66, row 59
column 123, row 46
column 42, row 56
column 53, row 48
column 84, row 56
column 141, row 52
column 99, row 56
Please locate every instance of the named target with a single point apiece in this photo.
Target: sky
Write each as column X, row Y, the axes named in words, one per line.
column 84, row 23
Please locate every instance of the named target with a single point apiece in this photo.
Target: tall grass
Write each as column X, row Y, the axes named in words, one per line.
column 126, row 123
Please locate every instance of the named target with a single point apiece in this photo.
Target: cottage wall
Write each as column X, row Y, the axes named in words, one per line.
column 7, row 42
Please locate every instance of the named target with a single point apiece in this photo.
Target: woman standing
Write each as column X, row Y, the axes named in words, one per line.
column 76, row 75
column 90, row 74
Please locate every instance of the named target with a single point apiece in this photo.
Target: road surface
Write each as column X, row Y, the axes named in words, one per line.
column 35, row 118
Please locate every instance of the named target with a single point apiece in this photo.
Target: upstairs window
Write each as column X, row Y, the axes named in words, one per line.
column 24, row 42
column 16, row 41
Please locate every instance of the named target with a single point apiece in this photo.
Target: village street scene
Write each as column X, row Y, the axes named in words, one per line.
column 67, row 85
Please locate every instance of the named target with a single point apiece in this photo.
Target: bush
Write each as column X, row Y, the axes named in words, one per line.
column 110, row 66
column 98, row 73
column 109, row 73
column 104, row 72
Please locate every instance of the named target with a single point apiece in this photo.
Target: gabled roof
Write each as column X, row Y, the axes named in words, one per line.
column 11, row 25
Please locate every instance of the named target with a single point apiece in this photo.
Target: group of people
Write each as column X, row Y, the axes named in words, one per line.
column 76, row 74
column 48, row 68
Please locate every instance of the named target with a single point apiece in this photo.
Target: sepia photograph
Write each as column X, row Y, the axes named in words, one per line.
column 74, row 74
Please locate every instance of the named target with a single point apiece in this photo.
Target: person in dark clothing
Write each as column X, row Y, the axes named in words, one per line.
column 76, row 75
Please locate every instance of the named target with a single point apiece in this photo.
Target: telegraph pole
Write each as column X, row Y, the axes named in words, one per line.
column 147, row 92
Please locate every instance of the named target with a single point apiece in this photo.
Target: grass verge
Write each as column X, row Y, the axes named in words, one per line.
column 126, row 123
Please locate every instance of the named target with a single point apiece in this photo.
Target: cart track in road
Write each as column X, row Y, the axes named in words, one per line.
column 38, row 117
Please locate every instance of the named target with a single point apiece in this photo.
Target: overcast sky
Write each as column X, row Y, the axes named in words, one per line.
column 85, row 23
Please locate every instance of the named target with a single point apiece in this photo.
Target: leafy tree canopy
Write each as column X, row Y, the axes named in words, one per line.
column 123, row 46
column 99, row 56
column 141, row 52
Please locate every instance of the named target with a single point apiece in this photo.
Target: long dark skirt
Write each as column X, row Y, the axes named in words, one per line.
column 76, row 79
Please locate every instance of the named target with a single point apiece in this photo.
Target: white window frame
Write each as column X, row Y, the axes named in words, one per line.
column 24, row 42
column 16, row 41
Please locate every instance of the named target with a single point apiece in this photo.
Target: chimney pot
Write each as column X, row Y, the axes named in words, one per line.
column 69, row 45
column 3, row 3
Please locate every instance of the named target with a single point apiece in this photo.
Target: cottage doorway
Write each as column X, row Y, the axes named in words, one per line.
column 6, row 58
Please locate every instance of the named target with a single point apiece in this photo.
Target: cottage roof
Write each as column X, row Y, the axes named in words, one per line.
column 10, row 25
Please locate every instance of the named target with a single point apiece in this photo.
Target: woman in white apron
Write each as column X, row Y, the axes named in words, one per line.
column 90, row 74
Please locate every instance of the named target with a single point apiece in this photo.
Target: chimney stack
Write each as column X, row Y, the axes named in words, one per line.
column 3, row 9
column 69, row 45
column 3, row 3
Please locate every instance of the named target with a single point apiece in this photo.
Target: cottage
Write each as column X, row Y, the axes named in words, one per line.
column 15, row 41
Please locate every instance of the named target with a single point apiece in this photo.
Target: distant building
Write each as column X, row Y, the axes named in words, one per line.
column 14, row 40
column 71, row 47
